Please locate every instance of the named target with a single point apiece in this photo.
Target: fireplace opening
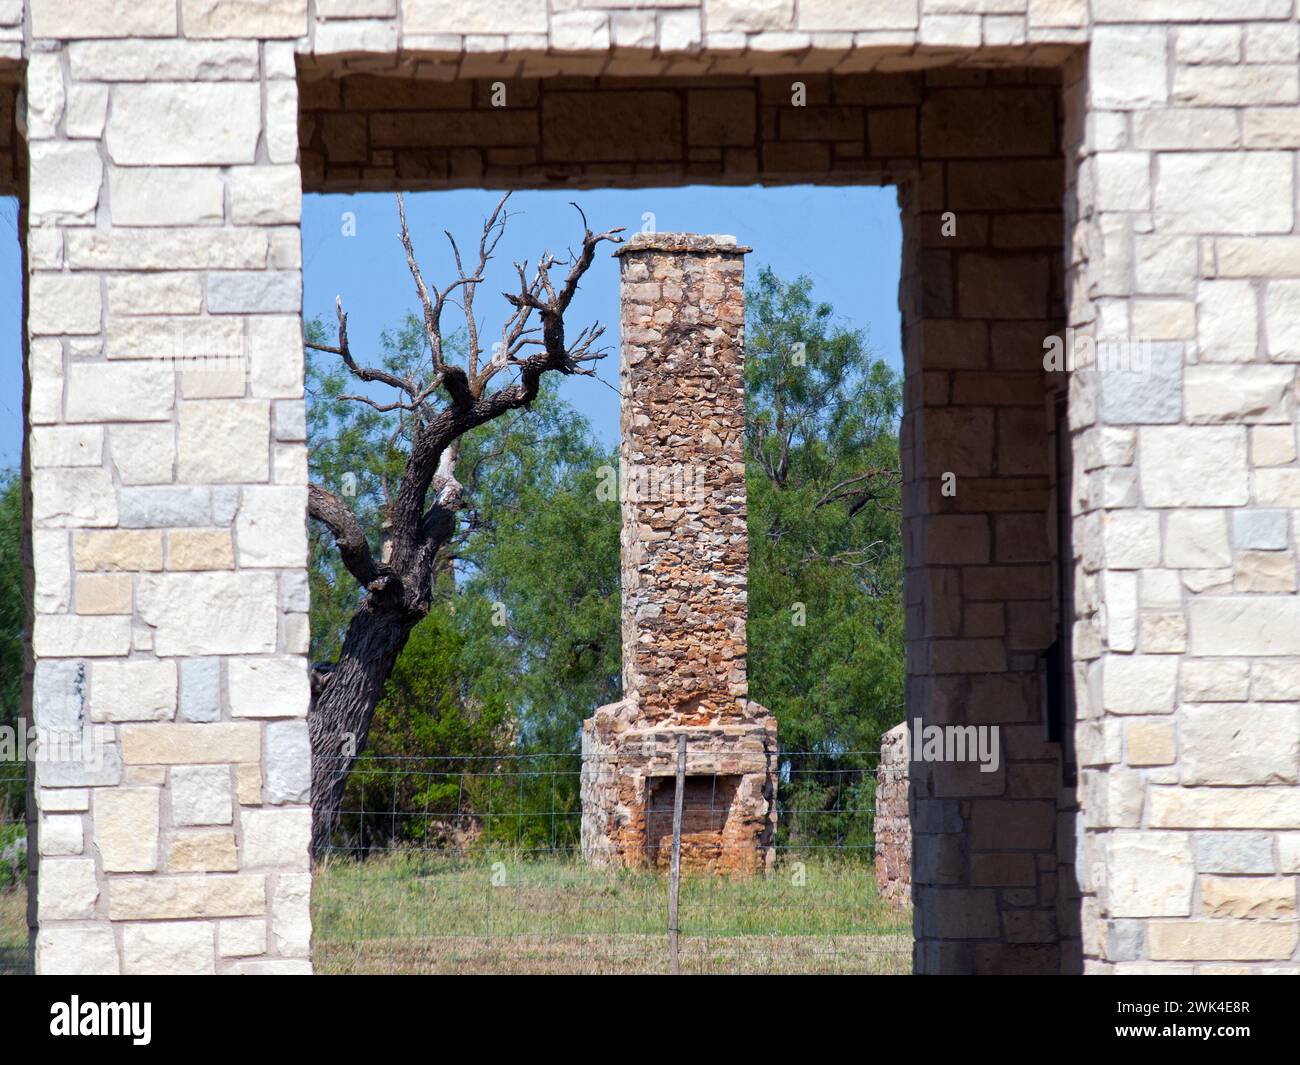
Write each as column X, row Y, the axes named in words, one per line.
column 706, row 808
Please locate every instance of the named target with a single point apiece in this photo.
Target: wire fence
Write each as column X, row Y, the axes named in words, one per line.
column 13, row 869
column 485, row 865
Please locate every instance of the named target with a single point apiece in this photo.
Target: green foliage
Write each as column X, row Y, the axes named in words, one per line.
column 523, row 642
column 825, row 570
column 13, row 607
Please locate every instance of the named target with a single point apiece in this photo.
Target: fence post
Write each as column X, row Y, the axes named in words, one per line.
column 675, row 870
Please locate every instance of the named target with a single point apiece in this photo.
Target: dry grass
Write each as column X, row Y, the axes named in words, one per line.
column 13, row 930
column 424, row 914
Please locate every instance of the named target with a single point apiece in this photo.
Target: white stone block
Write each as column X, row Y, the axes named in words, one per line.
column 1224, row 192
column 169, row 948
column 268, row 687
column 73, row 498
column 63, row 304
column 126, row 829
column 1193, row 466
column 166, row 196
column 133, row 690
column 275, row 838
column 209, row 613
column 179, row 123
column 272, row 526
column 1149, row 874
column 99, row 392
column 201, row 795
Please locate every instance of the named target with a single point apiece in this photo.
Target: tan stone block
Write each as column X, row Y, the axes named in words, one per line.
column 1222, row 940
column 1224, row 808
column 129, row 550
column 1248, row 896
column 242, row 938
column 1265, row 571
column 203, row 852
column 183, row 744
column 248, row 784
column 200, row 549
column 67, row 889
column 145, row 776
column 126, row 828
column 1149, row 743
column 1272, row 445
column 161, row 948
column 201, row 895
column 104, row 593
column 224, row 442
column 1164, row 634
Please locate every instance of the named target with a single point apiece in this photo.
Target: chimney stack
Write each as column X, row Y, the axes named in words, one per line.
column 684, row 574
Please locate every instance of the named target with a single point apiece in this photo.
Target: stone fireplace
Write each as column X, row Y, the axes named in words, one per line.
column 684, row 575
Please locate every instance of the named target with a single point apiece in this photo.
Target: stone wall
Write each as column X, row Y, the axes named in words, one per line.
column 168, row 455
column 685, row 551
column 1165, row 131
column 893, row 823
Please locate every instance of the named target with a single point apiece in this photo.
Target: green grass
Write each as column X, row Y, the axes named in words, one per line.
column 424, row 914
column 412, row 913
column 13, row 930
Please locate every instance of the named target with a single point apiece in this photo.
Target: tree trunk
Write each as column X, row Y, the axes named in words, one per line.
column 344, row 706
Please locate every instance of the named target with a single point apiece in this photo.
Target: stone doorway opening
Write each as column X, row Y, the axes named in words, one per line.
column 978, row 156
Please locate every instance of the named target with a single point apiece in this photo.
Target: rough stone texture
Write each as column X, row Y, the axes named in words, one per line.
column 893, row 825
column 684, row 576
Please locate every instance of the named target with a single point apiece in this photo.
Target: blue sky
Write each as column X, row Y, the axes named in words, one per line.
column 848, row 239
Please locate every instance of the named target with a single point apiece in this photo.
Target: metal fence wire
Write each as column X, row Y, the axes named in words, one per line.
column 476, row 865
column 13, row 869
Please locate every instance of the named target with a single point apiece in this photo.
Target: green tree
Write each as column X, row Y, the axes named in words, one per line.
column 445, row 395
column 522, row 638
column 825, row 585
column 13, row 608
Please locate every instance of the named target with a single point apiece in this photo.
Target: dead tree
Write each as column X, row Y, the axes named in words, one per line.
column 396, row 586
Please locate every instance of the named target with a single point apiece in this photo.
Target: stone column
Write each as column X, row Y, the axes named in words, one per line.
column 684, row 573
column 167, row 438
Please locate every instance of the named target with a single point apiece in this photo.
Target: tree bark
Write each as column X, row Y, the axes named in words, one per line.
column 341, row 713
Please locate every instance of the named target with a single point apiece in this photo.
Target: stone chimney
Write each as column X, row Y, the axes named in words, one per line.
column 684, row 573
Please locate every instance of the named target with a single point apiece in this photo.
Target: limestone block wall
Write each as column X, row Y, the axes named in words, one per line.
column 168, row 471
column 1183, row 132
column 162, row 200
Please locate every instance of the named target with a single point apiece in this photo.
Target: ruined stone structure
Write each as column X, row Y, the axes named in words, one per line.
column 685, row 552
column 893, row 817
column 1109, row 168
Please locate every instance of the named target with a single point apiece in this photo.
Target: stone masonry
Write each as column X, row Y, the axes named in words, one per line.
column 685, row 551
column 1071, row 168
column 893, row 823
